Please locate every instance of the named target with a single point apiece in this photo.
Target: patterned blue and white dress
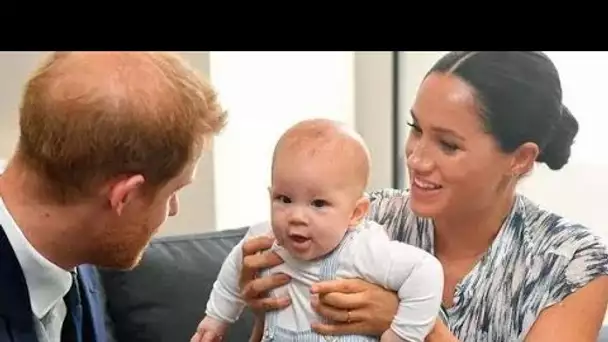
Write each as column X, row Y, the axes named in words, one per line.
column 537, row 259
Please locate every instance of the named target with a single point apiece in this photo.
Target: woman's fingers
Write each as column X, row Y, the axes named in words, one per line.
column 345, row 294
column 256, row 257
column 256, row 244
column 336, row 314
column 344, row 301
column 340, row 285
column 369, row 308
column 252, row 264
column 269, row 304
column 258, row 287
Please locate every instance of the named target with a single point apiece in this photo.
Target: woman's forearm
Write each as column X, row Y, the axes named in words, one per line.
column 258, row 330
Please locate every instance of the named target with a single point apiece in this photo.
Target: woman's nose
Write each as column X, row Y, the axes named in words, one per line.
column 418, row 158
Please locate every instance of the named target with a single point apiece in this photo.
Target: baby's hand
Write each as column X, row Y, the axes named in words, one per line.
column 209, row 330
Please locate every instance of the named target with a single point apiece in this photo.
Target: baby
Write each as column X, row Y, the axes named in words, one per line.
column 320, row 171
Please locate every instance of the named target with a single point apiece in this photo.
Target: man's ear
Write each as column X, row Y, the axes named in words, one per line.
column 361, row 209
column 123, row 191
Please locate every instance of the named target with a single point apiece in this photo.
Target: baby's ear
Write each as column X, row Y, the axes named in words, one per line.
column 361, row 209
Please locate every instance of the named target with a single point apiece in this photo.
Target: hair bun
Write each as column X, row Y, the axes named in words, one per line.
column 557, row 151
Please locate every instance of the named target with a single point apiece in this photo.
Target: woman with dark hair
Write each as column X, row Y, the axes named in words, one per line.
column 513, row 271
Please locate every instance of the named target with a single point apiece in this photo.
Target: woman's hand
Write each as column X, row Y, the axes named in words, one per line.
column 356, row 307
column 257, row 257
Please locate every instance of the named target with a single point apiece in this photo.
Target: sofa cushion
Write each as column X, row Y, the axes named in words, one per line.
column 164, row 297
column 603, row 334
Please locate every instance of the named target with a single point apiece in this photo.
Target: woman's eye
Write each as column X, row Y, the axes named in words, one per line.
column 414, row 127
column 449, row 147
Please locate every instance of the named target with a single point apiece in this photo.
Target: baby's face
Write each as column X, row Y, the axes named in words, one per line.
column 312, row 206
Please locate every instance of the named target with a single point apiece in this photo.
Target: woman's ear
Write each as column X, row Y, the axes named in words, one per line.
column 523, row 159
column 361, row 209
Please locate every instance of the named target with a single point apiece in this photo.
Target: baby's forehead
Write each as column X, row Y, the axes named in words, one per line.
column 331, row 159
column 322, row 185
column 327, row 144
column 319, row 175
column 319, row 152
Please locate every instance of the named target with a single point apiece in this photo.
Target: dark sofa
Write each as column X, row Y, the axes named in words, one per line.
column 163, row 299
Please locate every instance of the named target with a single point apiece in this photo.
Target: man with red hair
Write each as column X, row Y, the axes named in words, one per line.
column 107, row 140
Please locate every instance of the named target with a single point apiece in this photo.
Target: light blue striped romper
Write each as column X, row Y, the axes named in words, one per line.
column 275, row 333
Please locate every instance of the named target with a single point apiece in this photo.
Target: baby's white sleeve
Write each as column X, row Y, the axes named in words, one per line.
column 416, row 276
column 225, row 303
